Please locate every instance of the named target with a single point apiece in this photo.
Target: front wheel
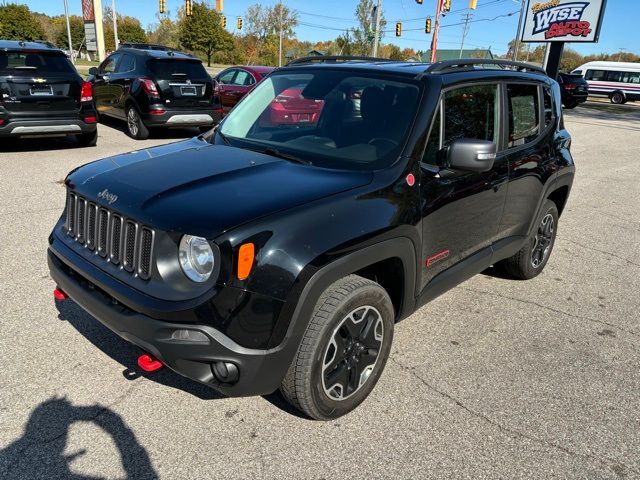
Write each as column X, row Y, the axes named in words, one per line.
column 617, row 98
column 135, row 126
column 531, row 259
column 343, row 351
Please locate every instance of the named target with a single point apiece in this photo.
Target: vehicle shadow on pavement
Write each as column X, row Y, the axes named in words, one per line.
column 154, row 133
column 40, row 452
column 10, row 145
column 126, row 353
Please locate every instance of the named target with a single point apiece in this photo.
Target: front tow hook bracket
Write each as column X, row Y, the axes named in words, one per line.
column 148, row 363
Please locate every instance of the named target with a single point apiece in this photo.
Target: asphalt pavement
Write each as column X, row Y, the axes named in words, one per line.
column 495, row 379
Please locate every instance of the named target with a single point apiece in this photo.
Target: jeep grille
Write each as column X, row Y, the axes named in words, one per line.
column 117, row 239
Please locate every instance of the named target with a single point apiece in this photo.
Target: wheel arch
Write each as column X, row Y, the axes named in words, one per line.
column 559, row 197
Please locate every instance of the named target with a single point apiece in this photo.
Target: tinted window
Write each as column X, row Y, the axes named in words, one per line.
column 227, row 77
column 19, row 63
column 176, row 69
column 127, row 64
column 548, row 106
column 631, row 77
column 613, row 76
column 523, row 114
column 433, row 144
column 595, row 75
column 110, row 63
column 471, row 112
column 577, row 72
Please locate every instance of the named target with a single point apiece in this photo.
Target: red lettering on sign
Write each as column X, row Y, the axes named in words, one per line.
column 562, row 29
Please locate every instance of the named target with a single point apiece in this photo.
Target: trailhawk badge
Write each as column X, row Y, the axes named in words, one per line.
column 107, row 196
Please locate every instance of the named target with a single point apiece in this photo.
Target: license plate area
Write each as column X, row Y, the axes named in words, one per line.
column 188, row 91
column 41, row 91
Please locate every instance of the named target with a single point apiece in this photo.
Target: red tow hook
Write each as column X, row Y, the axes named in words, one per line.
column 148, row 363
column 59, row 294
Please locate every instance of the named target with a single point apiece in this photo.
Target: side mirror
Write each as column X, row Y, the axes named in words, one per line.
column 471, row 155
column 93, row 71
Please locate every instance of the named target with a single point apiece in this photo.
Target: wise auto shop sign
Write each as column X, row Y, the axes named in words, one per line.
column 563, row 21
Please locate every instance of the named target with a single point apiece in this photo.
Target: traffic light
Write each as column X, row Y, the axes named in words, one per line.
column 239, row 23
column 161, row 7
column 223, row 21
column 473, row 4
column 419, row 2
column 447, row 5
column 188, row 9
column 427, row 26
column 398, row 29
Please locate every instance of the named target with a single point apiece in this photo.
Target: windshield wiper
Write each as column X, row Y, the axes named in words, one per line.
column 224, row 138
column 274, row 152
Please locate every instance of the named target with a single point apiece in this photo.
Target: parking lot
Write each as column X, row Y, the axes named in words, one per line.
column 496, row 379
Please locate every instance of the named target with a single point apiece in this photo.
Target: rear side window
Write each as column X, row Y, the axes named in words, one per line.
column 127, row 64
column 549, row 112
column 595, row 75
column 175, row 69
column 524, row 111
column 26, row 63
column 471, row 112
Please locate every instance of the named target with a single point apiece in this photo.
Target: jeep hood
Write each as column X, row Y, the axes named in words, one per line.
column 202, row 189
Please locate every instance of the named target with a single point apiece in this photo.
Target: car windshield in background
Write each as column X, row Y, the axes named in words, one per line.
column 171, row 68
column 26, row 63
column 331, row 118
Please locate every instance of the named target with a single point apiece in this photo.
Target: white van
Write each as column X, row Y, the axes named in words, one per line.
column 620, row 81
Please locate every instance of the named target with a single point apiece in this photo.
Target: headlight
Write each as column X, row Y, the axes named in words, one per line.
column 196, row 258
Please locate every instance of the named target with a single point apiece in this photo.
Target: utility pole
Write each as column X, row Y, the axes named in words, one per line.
column 66, row 15
column 434, row 39
column 620, row 53
column 376, row 32
column 280, row 46
column 514, row 55
column 115, row 23
column 465, row 30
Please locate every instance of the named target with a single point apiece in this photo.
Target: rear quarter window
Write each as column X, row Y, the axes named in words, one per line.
column 175, row 69
column 524, row 114
column 26, row 63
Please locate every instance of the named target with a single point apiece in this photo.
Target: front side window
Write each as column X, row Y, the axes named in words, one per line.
column 227, row 77
column 335, row 119
column 243, row 78
column 109, row 65
column 522, row 101
column 471, row 112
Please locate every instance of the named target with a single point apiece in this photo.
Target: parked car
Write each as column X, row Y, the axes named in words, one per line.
column 290, row 107
column 254, row 258
column 43, row 94
column 573, row 88
column 152, row 87
column 620, row 81
column 235, row 82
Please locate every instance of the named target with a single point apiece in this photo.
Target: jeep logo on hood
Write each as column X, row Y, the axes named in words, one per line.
column 107, row 196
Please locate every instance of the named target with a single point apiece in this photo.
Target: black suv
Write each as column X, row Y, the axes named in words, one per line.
column 43, row 94
column 263, row 256
column 574, row 89
column 153, row 87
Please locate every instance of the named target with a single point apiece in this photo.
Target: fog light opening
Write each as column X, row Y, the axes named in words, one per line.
column 225, row 372
column 186, row 335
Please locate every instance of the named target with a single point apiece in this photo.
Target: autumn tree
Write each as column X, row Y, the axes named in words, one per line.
column 77, row 31
column 164, row 32
column 362, row 44
column 203, row 31
column 18, row 23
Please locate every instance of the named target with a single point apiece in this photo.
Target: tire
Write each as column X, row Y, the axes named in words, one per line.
column 617, row 98
column 570, row 105
column 531, row 259
column 88, row 139
column 352, row 314
column 135, row 126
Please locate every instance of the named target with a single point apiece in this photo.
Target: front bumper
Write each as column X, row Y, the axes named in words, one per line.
column 260, row 371
column 46, row 127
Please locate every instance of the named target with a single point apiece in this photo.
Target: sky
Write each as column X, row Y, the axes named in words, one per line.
column 493, row 24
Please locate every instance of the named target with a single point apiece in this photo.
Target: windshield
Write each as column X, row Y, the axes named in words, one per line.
column 26, row 63
column 330, row 118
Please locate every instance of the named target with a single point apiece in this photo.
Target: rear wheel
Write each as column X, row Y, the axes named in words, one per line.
column 531, row 259
column 343, row 351
column 617, row 98
column 88, row 139
column 135, row 126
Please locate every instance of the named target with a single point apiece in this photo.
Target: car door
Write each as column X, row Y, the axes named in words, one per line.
column 120, row 84
column 224, row 89
column 529, row 150
column 461, row 211
column 102, row 88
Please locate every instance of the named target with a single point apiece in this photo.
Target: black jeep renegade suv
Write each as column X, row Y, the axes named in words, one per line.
column 42, row 94
column 262, row 256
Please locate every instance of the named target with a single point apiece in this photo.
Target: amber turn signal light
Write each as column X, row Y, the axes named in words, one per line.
column 246, row 255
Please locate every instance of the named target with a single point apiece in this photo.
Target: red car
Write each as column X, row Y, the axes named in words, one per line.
column 291, row 108
column 235, row 82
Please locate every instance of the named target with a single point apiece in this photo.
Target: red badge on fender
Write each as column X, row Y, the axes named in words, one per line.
column 411, row 180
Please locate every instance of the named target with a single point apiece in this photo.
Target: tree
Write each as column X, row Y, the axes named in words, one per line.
column 264, row 21
column 203, row 31
column 129, row 30
column 18, row 23
column 77, row 31
column 165, row 32
column 570, row 60
column 361, row 42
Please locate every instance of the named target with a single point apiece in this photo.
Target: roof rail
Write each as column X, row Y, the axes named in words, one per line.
column 335, row 59
column 448, row 65
column 146, row 46
column 46, row 43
